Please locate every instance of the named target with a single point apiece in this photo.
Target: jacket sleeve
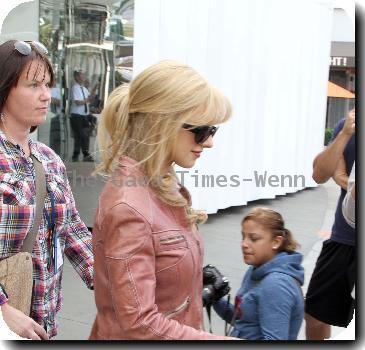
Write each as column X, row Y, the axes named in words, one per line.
column 130, row 266
column 224, row 309
column 275, row 303
column 78, row 246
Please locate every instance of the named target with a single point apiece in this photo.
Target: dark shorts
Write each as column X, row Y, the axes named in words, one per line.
column 328, row 297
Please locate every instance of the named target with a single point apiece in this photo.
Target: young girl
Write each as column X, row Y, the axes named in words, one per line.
column 147, row 249
column 269, row 304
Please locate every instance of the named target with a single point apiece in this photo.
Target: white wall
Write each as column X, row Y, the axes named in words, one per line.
column 271, row 57
column 349, row 7
column 343, row 29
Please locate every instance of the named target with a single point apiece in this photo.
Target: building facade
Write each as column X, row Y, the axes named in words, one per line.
column 279, row 114
column 342, row 63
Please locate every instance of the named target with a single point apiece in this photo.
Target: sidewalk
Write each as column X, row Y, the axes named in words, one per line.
column 309, row 261
column 308, row 214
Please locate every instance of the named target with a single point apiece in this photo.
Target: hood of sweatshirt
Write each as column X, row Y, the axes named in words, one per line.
column 287, row 263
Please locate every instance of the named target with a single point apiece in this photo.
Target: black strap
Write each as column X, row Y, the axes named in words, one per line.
column 225, row 314
column 208, row 307
column 40, row 188
column 51, row 220
column 83, row 95
column 234, row 316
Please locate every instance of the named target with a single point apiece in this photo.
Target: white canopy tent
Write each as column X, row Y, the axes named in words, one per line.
column 271, row 58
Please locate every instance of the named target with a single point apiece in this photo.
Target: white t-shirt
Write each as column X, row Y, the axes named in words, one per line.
column 79, row 93
column 56, row 93
column 348, row 204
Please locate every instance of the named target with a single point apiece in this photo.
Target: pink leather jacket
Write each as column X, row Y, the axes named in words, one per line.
column 148, row 265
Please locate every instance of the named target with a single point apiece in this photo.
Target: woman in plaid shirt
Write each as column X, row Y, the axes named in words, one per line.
column 26, row 77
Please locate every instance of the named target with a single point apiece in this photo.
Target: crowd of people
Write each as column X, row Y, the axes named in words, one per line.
column 144, row 259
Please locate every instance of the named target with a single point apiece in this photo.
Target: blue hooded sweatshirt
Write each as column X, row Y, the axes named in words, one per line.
column 269, row 304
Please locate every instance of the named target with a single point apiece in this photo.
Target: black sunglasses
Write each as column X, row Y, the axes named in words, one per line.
column 25, row 48
column 202, row 133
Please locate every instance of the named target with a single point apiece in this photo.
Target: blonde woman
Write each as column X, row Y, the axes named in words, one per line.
column 269, row 304
column 148, row 251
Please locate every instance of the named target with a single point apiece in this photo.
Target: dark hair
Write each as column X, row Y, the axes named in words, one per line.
column 77, row 73
column 12, row 65
column 273, row 221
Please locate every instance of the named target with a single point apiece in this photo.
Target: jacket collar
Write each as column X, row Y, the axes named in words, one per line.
column 132, row 168
column 130, row 164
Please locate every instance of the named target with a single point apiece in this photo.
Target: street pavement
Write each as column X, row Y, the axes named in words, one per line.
column 308, row 214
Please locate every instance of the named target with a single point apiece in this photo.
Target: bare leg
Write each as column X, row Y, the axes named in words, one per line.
column 315, row 329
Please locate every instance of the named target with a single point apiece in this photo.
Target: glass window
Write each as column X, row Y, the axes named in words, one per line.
column 91, row 49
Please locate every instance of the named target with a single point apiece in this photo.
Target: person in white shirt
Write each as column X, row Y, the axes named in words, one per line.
column 80, row 124
column 349, row 207
column 55, row 125
column 348, row 204
column 56, row 99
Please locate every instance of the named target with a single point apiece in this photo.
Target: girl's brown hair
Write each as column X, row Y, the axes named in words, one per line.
column 12, row 65
column 274, row 222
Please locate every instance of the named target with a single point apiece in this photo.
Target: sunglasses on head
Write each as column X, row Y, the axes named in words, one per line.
column 25, row 48
column 202, row 133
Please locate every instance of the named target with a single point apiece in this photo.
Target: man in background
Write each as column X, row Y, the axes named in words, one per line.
column 79, row 120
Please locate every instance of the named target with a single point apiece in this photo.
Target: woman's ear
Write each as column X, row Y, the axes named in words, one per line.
column 277, row 242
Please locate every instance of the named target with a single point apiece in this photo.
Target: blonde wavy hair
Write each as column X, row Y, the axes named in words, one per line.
column 141, row 120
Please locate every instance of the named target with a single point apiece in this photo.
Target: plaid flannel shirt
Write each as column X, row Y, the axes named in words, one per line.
column 17, row 211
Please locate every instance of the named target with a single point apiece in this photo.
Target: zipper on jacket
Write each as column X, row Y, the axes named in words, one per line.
column 172, row 240
column 179, row 309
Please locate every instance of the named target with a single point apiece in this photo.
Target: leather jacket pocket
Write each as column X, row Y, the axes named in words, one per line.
column 172, row 240
column 174, row 267
column 171, row 248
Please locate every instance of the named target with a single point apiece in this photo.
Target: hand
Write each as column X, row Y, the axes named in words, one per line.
column 221, row 289
column 216, row 283
column 21, row 324
column 340, row 174
column 209, row 274
column 349, row 126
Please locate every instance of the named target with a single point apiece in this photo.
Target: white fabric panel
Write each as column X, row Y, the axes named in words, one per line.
column 271, row 58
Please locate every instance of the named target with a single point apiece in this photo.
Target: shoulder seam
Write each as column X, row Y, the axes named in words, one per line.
column 133, row 209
